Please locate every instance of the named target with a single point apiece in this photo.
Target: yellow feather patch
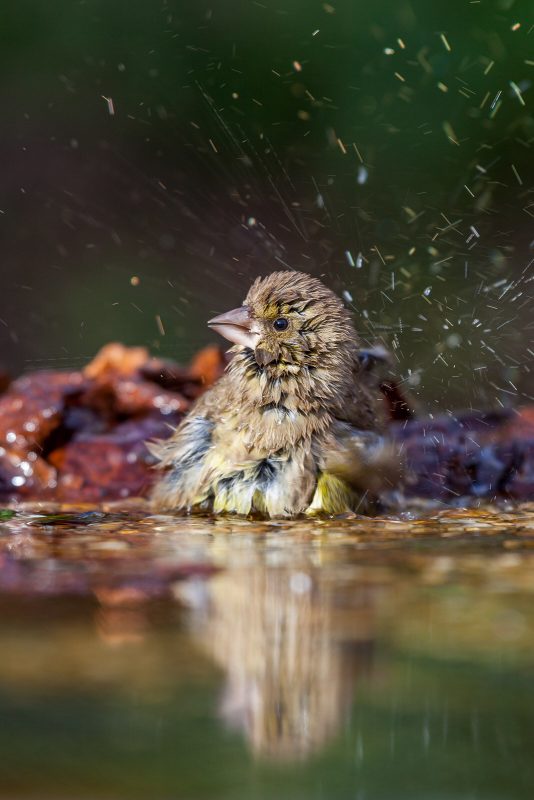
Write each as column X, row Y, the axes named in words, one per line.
column 332, row 496
column 258, row 502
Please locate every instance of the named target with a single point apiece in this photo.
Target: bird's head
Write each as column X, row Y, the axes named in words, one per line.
column 290, row 320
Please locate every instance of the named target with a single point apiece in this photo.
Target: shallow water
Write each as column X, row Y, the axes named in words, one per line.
column 161, row 657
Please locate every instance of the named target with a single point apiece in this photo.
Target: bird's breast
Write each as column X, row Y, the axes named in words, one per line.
column 266, row 430
column 275, row 486
column 261, row 458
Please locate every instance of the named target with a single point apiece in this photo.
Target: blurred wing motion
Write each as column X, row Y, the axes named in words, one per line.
column 357, row 467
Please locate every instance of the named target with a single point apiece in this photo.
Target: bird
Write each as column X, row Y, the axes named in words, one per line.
column 294, row 426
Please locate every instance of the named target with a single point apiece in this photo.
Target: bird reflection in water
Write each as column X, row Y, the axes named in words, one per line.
column 292, row 654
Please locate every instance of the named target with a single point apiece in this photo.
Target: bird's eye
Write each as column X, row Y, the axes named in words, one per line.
column 280, row 324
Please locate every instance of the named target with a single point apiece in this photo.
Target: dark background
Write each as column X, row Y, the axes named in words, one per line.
column 252, row 136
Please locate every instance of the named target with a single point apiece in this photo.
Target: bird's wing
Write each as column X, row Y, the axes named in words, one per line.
column 183, row 457
column 361, row 403
column 362, row 407
column 365, row 460
column 183, row 454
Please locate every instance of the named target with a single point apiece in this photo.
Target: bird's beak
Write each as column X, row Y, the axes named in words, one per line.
column 237, row 326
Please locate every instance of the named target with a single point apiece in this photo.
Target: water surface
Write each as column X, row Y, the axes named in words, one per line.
column 156, row 657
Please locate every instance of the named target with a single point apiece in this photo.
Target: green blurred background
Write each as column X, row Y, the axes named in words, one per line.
column 194, row 145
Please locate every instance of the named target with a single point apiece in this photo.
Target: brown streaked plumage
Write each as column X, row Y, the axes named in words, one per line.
column 293, row 425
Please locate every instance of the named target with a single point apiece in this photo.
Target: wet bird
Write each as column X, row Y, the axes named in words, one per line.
column 294, row 424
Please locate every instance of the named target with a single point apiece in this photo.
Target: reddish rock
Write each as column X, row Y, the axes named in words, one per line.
column 30, row 411
column 81, row 435
column 109, row 465
column 486, row 455
column 208, row 365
